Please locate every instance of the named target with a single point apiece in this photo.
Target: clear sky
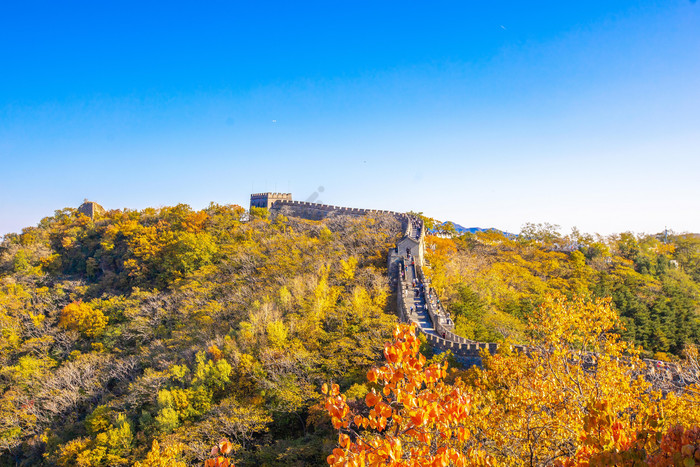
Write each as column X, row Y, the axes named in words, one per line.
column 489, row 114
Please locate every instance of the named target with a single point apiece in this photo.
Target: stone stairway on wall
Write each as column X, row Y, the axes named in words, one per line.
column 429, row 315
column 417, row 303
column 435, row 323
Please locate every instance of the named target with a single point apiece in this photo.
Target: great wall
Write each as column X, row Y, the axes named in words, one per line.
column 417, row 301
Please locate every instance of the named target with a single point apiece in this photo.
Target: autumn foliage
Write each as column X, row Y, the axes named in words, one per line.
column 79, row 316
column 147, row 336
column 169, row 456
column 220, row 454
column 491, row 283
column 578, row 397
column 415, row 419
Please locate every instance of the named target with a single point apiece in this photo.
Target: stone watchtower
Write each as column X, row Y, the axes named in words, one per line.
column 91, row 209
column 266, row 200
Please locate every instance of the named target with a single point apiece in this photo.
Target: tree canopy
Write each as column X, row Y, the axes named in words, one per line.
column 148, row 336
column 579, row 396
column 492, row 283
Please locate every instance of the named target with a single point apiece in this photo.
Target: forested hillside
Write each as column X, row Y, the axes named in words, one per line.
column 491, row 283
column 138, row 337
column 184, row 327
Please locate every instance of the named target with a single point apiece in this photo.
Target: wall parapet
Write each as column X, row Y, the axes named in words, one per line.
column 275, row 194
column 318, row 211
column 466, row 351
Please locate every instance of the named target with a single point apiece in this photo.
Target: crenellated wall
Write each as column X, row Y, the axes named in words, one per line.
column 467, row 352
column 266, row 200
column 314, row 211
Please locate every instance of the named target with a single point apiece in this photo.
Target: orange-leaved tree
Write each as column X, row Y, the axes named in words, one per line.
column 220, row 454
column 415, row 419
column 608, row 441
column 578, row 396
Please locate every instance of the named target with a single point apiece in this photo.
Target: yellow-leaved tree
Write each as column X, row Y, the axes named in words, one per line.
column 80, row 316
column 168, row 456
column 578, row 396
column 531, row 409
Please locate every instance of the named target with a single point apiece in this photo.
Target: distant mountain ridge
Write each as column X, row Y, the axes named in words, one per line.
column 462, row 230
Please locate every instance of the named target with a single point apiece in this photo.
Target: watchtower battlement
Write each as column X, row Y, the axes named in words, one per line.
column 266, row 200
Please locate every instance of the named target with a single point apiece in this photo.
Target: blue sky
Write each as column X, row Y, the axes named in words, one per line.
column 485, row 113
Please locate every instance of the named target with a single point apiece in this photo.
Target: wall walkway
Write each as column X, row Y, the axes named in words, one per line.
column 417, row 301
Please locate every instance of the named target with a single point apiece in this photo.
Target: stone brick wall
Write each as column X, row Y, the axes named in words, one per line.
column 266, row 200
column 315, row 211
column 466, row 352
column 91, row 209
